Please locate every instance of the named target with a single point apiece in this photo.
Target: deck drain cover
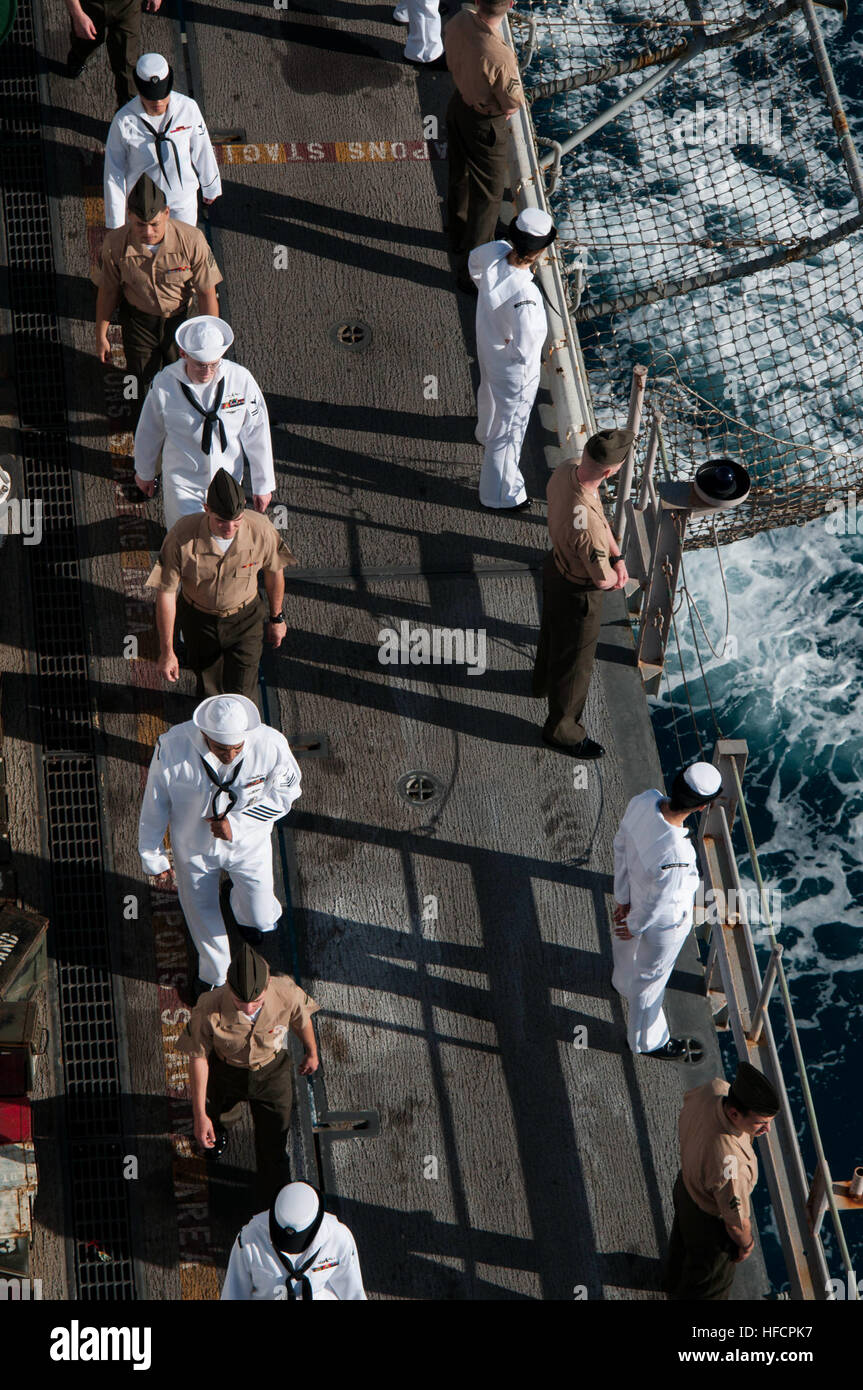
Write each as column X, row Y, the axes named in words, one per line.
column 419, row 788
column 351, row 333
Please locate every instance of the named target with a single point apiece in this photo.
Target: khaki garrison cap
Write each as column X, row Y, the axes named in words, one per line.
column 146, row 200
column 609, row 446
column 248, row 974
column 225, row 497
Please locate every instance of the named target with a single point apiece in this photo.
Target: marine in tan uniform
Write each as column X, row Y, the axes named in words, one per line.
column 153, row 287
column 207, row 576
column 713, row 1229
column 584, row 561
column 238, row 1045
column 488, row 91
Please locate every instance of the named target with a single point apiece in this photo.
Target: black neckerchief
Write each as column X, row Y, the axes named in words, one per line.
column 226, row 787
column 538, row 284
column 161, row 138
column 306, row 1291
column 211, row 417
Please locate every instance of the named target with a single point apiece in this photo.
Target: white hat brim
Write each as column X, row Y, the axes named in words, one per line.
column 200, row 354
column 200, row 719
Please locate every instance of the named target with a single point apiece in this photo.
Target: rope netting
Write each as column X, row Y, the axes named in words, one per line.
column 714, row 234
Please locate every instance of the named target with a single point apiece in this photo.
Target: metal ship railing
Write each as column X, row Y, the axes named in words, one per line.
column 652, row 531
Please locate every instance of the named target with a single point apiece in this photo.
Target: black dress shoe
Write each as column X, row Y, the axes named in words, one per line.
column 587, row 749
column 519, row 507
column 675, row 1050
column 220, row 1145
column 253, row 935
column 75, row 66
column 438, row 64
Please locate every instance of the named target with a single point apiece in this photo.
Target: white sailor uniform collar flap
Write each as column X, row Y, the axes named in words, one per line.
column 503, row 280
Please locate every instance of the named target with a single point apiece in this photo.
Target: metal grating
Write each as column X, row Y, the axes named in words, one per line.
column 62, row 664
column 98, row 1192
column 103, row 1251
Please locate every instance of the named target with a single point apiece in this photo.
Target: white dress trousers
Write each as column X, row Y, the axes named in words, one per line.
column 179, row 796
column 511, row 329
column 424, row 42
column 171, row 426
column 656, row 872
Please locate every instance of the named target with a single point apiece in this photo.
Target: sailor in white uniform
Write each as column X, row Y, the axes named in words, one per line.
column 424, row 44
column 295, row 1251
column 511, row 328
column 202, row 414
column 160, row 133
column 219, row 782
column 655, row 882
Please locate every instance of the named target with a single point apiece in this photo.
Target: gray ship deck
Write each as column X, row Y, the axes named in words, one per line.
column 460, row 951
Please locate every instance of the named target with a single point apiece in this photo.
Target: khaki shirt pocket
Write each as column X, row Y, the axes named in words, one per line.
column 200, row 575
column 172, row 270
column 173, row 281
column 230, row 1041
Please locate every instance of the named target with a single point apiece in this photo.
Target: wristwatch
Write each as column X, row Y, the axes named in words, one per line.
column 616, row 560
column 279, row 618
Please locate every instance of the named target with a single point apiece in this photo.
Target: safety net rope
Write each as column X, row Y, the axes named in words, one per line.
column 711, row 232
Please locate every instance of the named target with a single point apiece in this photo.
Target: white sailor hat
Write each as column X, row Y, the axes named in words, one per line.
column 532, row 230
column 204, row 338
column 703, row 780
column 296, row 1206
column 296, row 1216
column 154, row 76
column 534, row 222
column 226, row 718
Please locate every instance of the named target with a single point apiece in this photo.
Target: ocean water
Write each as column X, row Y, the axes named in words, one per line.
column 783, row 353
